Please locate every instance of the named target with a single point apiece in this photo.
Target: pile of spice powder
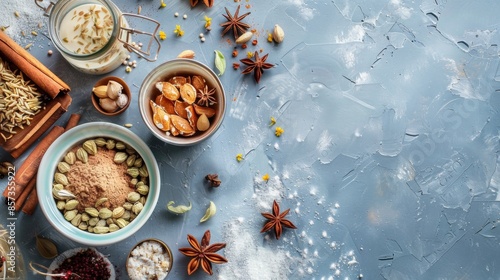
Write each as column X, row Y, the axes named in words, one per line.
column 99, row 177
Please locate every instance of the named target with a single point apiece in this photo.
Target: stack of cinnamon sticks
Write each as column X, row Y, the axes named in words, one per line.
column 21, row 190
column 47, row 82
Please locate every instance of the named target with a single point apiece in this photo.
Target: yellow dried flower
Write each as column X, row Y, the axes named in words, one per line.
column 178, row 31
column 265, row 177
column 273, row 121
column 270, row 37
column 162, row 4
column 249, row 54
column 278, row 131
column 208, row 22
column 239, row 157
column 162, row 35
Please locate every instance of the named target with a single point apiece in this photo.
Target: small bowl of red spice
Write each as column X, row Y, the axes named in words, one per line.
column 98, row 198
column 182, row 102
column 81, row 263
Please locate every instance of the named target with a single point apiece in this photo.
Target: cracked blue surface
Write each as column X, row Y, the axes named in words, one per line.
column 390, row 159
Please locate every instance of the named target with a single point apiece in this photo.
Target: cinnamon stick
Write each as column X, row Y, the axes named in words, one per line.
column 31, row 67
column 72, row 121
column 30, row 205
column 29, row 167
column 26, row 192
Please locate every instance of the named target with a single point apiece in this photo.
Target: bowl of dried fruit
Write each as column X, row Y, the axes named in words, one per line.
column 182, row 102
column 98, row 183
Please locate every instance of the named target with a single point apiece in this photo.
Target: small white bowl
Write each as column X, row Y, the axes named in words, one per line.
column 55, row 154
column 181, row 67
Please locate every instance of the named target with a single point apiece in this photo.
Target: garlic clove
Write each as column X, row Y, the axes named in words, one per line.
column 100, row 91
column 114, row 89
column 107, row 104
column 122, row 100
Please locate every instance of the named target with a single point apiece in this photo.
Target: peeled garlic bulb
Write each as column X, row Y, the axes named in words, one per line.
column 114, row 90
column 122, row 100
column 108, row 105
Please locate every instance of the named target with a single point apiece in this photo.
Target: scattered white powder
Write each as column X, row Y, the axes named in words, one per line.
column 249, row 259
column 267, row 191
column 30, row 19
column 355, row 34
column 306, row 12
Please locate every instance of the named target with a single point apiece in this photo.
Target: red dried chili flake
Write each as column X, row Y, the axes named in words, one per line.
column 255, row 42
column 244, row 46
column 235, row 53
column 236, row 66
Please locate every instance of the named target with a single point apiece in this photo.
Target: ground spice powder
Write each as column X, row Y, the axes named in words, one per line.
column 99, row 177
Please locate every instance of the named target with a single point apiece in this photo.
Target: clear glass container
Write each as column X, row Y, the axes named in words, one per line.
column 94, row 35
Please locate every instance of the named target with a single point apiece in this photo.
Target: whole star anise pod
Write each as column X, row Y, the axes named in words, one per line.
column 213, row 179
column 203, row 254
column 258, row 65
column 277, row 220
column 206, row 97
column 208, row 3
column 234, row 22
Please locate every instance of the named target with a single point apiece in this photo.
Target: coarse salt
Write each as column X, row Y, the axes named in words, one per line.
column 148, row 260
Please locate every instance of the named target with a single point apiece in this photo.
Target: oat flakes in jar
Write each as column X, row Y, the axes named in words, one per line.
column 94, row 36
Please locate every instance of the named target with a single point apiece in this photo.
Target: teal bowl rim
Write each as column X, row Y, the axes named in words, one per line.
column 56, row 152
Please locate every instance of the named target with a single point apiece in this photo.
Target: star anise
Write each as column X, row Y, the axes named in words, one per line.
column 277, row 220
column 234, row 22
column 258, row 66
column 208, row 3
column 213, row 179
column 205, row 96
column 203, row 254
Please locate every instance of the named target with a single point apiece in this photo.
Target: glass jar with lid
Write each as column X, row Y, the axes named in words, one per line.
column 94, row 36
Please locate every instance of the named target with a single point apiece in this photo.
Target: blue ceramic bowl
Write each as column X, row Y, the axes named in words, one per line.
column 55, row 154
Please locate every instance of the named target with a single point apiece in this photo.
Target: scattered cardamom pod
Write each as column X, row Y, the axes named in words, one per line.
column 60, row 178
column 100, row 142
column 110, row 144
column 278, row 34
column 133, row 197
column 134, row 172
column 46, row 248
column 90, row 147
column 118, row 212
column 70, row 158
column 137, row 208
column 120, row 157
column 120, row 146
column 186, row 54
column 82, row 155
column 100, row 201
column 179, row 209
column 63, row 167
column 142, row 189
column 209, row 213
column 245, row 37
